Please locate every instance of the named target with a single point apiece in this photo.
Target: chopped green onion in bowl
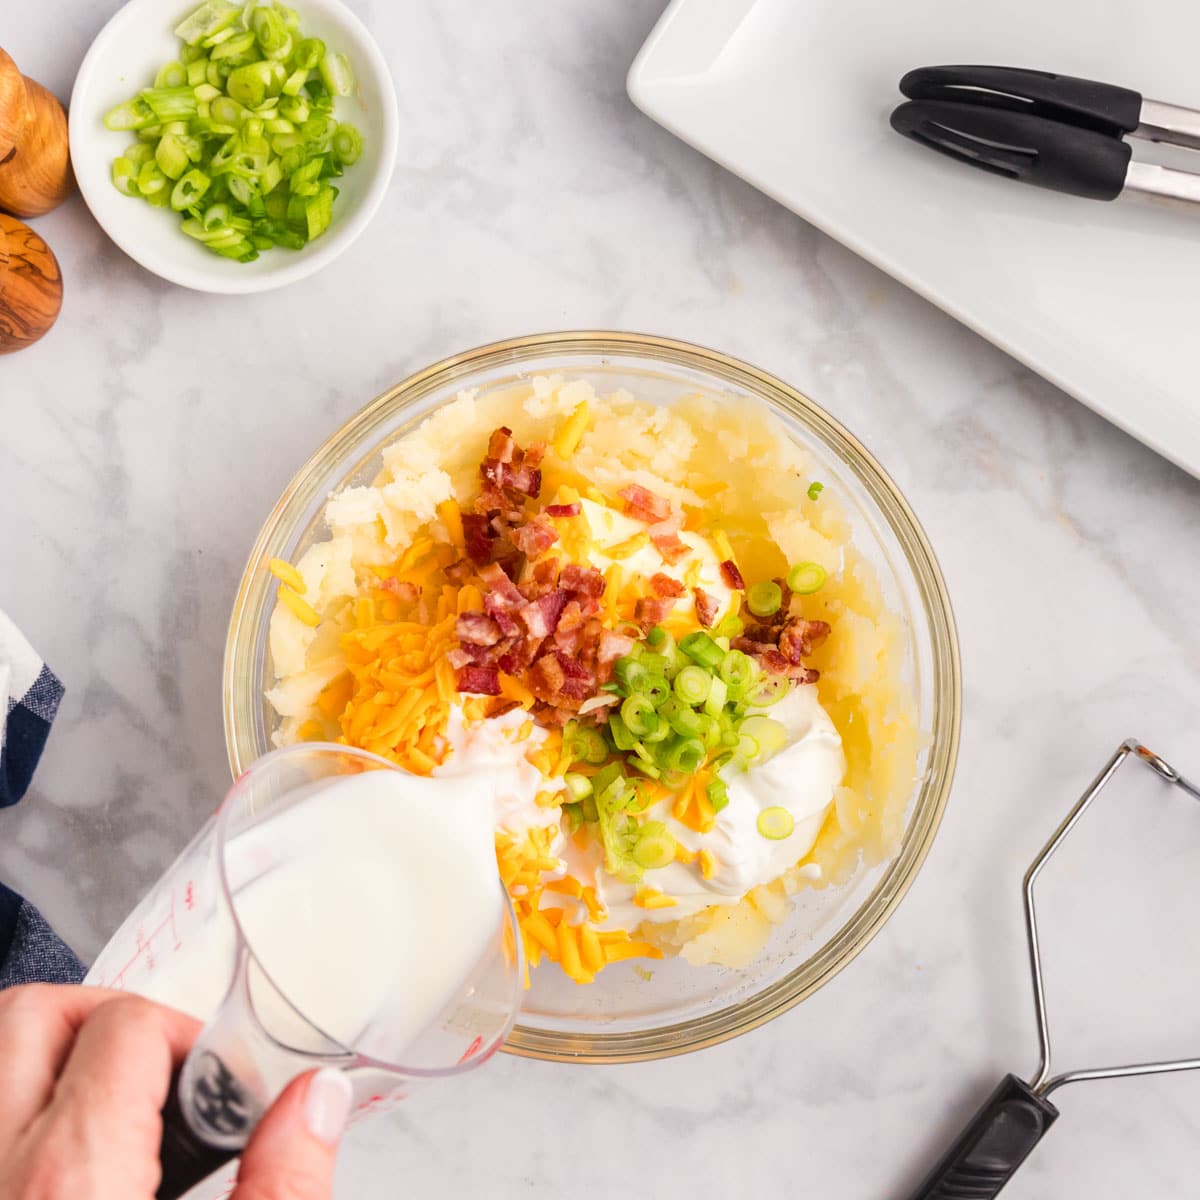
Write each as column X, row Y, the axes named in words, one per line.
column 239, row 135
column 806, row 577
column 776, row 823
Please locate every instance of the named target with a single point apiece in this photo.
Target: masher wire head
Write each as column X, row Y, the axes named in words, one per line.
column 1042, row 1084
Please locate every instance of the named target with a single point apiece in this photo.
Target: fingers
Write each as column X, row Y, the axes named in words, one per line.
column 38, row 1025
column 291, row 1155
column 108, row 1100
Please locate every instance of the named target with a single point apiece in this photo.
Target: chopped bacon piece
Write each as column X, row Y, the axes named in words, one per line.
column 510, row 663
column 804, row 674
column 490, row 500
column 508, row 627
column 501, row 445
column 774, row 661
column 564, row 510
column 491, row 471
column 401, row 589
column 749, row 645
column 546, row 678
column 546, row 571
column 501, row 587
column 535, row 453
column 525, row 480
column 585, row 581
column 477, row 628
column 799, row 637
column 482, row 681
column 781, row 613
column 707, row 607
column 458, row 657
column 642, row 503
column 732, row 576
column 664, row 585
column 478, row 539
column 613, row 646
column 534, row 539
column 650, row 610
column 669, row 545
column 572, row 667
column 459, row 572
column 540, row 616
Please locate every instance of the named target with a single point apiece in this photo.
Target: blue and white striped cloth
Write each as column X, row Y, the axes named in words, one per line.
column 29, row 694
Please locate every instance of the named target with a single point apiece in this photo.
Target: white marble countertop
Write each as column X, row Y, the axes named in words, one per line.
column 145, row 439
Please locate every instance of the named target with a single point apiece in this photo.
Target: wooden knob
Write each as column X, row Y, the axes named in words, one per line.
column 30, row 286
column 14, row 107
column 37, row 177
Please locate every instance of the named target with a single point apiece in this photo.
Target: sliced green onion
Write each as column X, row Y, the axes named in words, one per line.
column 655, row 846
column 806, row 577
column 630, row 673
column 578, row 785
column 769, row 689
column 815, row 489
column 587, row 740
column 211, row 17
column 764, row 598
column 770, row 735
column 308, row 54
column 692, row 685
column 232, row 49
column 685, row 755
column 718, row 693
column 737, row 670
column 133, row 114
column 776, row 823
column 189, row 190
column 171, row 157
column 730, row 626
column 151, row 179
column 218, row 128
column 346, row 144
column 172, row 75
column 700, row 648
column 620, row 733
column 574, row 816
column 718, row 794
column 336, row 74
column 639, row 716
column 684, row 720
column 169, row 104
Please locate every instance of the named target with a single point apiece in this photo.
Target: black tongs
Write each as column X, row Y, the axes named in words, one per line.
column 1054, row 131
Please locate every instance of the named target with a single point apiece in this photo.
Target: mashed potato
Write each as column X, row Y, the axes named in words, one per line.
column 738, row 466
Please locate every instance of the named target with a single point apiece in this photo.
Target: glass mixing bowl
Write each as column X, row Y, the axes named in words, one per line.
column 624, row 1016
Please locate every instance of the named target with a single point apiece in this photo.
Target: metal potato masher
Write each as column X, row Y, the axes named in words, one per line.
column 1016, row 1115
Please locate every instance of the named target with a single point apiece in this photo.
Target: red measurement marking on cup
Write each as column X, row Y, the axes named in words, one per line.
column 144, row 950
column 471, row 1050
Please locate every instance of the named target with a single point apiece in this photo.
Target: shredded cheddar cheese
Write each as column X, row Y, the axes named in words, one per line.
column 286, row 573
column 298, row 606
column 572, row 431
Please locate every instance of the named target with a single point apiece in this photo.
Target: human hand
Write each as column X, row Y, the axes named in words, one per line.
column 84, row 1074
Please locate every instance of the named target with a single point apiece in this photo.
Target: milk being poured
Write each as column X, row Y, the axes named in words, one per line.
column 368, row 904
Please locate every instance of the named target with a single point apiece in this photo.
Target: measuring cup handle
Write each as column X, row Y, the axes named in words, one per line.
column 989, row 1150
column 186, row 1159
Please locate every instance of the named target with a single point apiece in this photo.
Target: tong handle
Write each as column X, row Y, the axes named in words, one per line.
column 989, row 1150
column 1103, row 107
column 1019, row 145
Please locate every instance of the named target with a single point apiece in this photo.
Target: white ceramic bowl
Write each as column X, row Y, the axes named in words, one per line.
column 125, row 57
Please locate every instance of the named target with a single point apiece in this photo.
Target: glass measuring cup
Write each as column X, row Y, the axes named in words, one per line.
column 187, row 945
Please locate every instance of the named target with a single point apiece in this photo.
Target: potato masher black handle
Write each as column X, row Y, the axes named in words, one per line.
column 1102, row 107
column 184, row 1156
column 1019, row 145
column 989, row 1150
